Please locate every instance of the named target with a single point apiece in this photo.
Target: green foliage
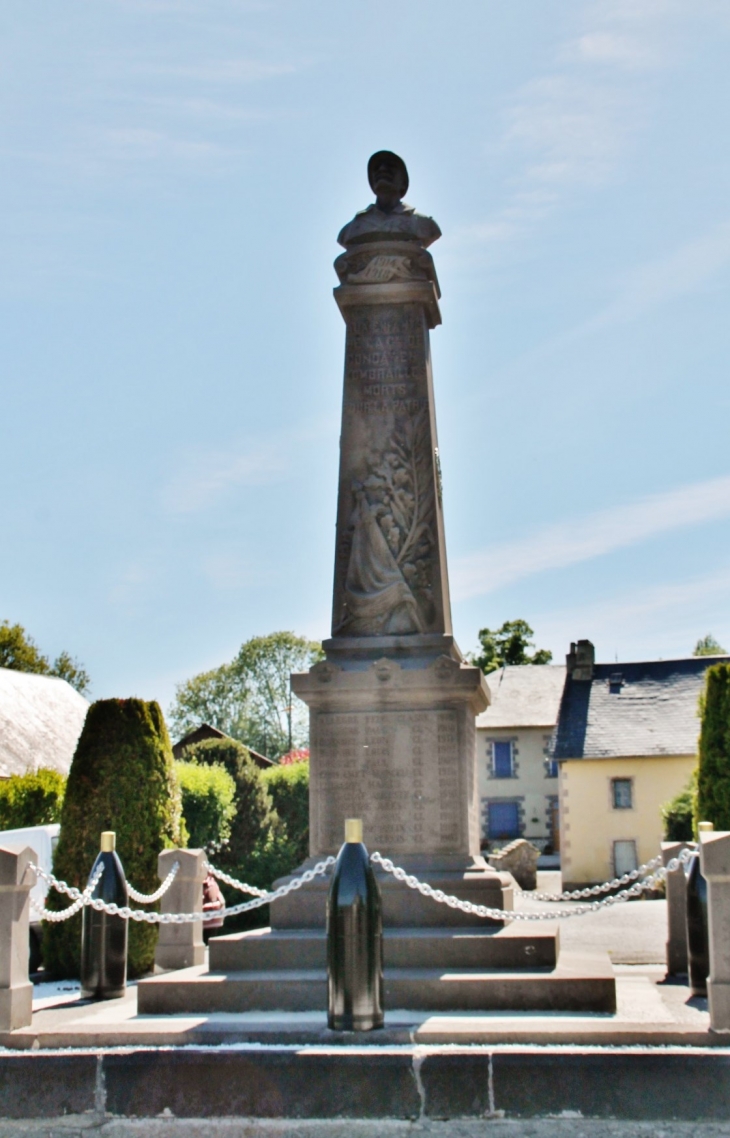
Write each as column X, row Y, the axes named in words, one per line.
column 249, row 698
column 289, row 790
column 678, row 814
column 33, row 799
column 19, row 652
column 259, row 849
column 708, row 646
column 713, row 783
column 122, row 778
column 207, row 803
column 508, row 645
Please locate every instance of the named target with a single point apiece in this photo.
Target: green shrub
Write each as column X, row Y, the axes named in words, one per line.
column 207, row 803
column 678, row 814
column 33, row 799
column 122, row 778
column 289, row 790
column 713, row 782
column 259, row 849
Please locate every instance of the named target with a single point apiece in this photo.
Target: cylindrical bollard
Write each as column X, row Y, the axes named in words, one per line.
column 104, row 937
column 354, row 939
column 698, row 950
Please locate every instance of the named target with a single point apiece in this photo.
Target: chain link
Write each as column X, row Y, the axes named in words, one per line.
column 150, row 898
column 510, row 914
column 81, row 899
column 240, row 885
column 596, row 890
column 128, row 914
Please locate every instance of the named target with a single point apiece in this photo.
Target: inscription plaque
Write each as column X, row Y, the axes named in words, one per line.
column 397, row 770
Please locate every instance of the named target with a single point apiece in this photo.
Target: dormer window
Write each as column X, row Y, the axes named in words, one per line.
column 615, row 683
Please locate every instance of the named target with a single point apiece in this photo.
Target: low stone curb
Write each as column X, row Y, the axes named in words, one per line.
column 408, row 1083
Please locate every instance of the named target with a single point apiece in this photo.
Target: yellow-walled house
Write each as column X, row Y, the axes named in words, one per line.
column 625, row 743
column 518, row 781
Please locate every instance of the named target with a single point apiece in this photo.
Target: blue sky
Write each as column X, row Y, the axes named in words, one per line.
column 173, row 178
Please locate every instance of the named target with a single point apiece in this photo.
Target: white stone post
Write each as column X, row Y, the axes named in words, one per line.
column 16, row 881
column 715, row 866
column 181, row 946
column 676, row 882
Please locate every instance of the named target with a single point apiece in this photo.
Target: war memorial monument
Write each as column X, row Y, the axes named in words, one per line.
column 393, row 705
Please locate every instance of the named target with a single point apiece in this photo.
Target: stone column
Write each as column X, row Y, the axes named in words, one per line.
column 181, row 946
column 16, row 881
column 392, row 708
column 715, row 866
column 676, row 910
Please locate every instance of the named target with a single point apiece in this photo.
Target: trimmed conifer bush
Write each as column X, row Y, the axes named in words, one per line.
column 122, row 779
column 713, row 783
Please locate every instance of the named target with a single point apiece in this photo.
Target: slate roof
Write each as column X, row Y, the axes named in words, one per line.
column 632, row 710
column 40, row 721
column 206, row 731
column 524, row 695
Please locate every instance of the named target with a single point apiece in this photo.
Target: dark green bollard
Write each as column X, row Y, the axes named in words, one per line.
column 103, row 937
column 354, row 939
column 698, row 934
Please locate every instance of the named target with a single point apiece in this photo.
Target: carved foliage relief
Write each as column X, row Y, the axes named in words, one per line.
column 387, row 570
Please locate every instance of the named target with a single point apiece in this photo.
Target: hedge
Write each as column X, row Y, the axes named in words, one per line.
column 678, row 813
column 33, row 799
column 289, row 790
column 122, row 778
column 207, row 803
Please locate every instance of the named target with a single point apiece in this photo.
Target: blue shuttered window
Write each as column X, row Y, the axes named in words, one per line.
column 503, row 819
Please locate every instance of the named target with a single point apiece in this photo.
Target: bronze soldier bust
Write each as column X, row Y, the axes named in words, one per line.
column 389, row 218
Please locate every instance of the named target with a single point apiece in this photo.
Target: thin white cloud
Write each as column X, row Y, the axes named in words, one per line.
column 207, row 475
column 567, row 543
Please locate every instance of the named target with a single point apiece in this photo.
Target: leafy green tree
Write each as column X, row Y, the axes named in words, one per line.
column 33, row 799
column 19, row 652
column 250, row 698
column 207, row 792
column 678, row 814
column 122, row 778
column 508, row 645
column 708, row 646
column 288, row 786
column 713, row 781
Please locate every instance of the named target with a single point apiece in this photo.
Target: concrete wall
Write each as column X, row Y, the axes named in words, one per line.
column 530, row 784
column 589, row 822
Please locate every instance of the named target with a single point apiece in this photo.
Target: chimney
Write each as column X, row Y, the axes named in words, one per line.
column 580, row 660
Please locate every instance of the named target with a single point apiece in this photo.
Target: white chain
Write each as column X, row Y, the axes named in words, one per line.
column 241, row 885
column 82, row 899
column 515, row 915
column 128, row 914
column 596, row 890
column 149, row 898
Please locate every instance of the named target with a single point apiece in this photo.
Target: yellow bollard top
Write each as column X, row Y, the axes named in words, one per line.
column 108, row 841
column 705, row 827
column 353, row 830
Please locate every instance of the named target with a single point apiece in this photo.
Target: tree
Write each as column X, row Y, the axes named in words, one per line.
column 713, row 781
column 250, row 697
column 33, row 799
column 122, row 779
column 708, row 646
column 508, row 645
column 678, row 814
column 288, row 786
column 19, row 652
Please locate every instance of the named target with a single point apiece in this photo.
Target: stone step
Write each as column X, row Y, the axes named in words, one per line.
column 579, row 982
column 513, row 948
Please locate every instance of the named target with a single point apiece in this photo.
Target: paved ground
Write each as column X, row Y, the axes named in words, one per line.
column 632, row 933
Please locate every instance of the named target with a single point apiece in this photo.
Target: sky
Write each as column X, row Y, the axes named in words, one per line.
column 173, row 175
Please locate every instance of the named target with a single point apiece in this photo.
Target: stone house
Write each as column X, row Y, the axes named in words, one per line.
column 625, row 743
column 517, row 779
column 40, row 722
